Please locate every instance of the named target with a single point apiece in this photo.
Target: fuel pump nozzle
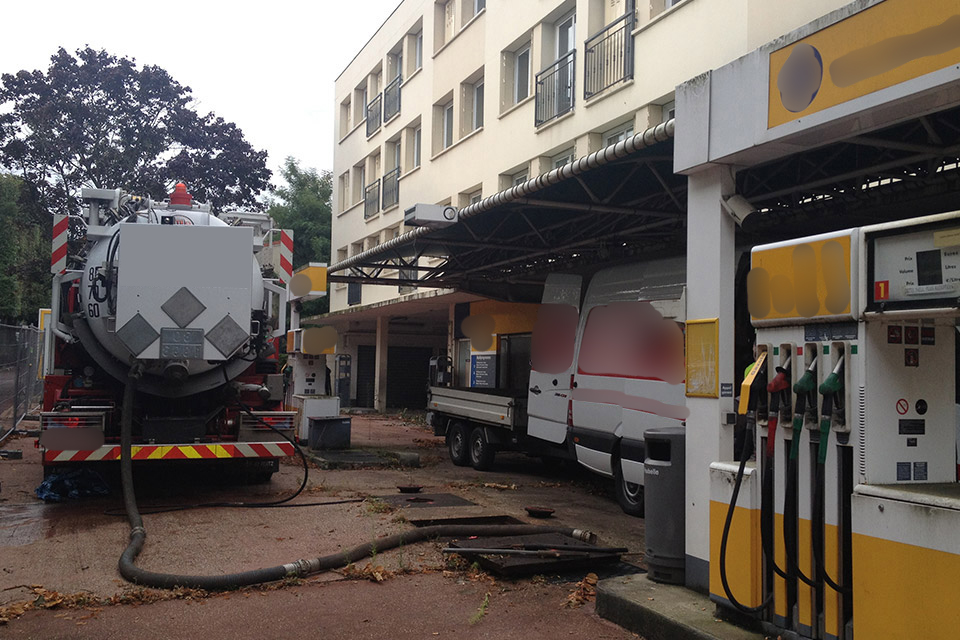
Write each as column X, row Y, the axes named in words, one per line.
column 776, row 387
column 804, row 387
column 829, row 389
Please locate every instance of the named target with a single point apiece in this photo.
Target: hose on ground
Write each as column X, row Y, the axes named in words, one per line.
column 296, row 569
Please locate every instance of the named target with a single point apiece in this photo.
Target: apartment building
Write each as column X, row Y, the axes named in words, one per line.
column 451, row 102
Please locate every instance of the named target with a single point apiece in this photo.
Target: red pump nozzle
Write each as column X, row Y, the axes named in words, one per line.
column 180, row 195
column 780, row 383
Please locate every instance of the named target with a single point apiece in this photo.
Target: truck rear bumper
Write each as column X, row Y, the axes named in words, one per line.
column 175, row 452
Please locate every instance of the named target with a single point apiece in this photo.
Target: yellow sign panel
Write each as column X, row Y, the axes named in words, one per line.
column 703, row 358
column 887, row 44
column 801, row 280
column 310, row 280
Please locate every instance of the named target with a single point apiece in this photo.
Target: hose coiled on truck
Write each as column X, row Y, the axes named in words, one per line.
column 296, row 569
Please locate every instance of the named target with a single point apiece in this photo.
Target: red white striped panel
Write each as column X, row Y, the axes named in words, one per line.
column 58, row 255
column 286, row 255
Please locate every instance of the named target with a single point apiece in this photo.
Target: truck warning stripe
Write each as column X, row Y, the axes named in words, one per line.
column 177, row 452
column 58, row 249
column 286, row 255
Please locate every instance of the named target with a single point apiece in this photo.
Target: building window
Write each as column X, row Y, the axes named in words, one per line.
column 475, row 197
column 668, row 111
column 359, row 182
column 478, row 6
column 447, row 124
column 618, row 135
column 344, row 192
column 478, row 105
column 521, row 74
column 359, row 104
column 345, row 113
column 418, row 51
column 416, row 147
column 518, row 178
column 564, row 157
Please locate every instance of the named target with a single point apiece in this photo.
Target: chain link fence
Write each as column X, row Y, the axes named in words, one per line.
column 21, row 385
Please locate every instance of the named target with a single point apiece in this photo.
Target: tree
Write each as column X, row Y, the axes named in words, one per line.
column 24, row 252
column 98, row 120
column 304, row 205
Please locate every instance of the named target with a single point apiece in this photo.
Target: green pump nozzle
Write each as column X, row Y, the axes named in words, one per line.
column 802, row 387
column 828, row 389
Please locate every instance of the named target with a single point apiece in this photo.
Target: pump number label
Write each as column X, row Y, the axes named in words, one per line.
column 881, row 290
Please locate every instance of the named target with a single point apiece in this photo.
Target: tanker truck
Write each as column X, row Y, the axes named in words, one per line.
column 171, row 290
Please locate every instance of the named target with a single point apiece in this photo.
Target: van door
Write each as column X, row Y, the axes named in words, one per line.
column 554, row 341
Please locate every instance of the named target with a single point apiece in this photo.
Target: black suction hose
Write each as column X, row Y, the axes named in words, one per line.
column 298, row 568
column 744, row 454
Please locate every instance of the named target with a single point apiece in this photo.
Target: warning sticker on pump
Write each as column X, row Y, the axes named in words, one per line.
column 911, row 357
column 912, row 427
column 903, row 471
column 903, row 406
column 919, row 470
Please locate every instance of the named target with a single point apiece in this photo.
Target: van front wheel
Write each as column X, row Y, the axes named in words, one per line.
column 457, row 444
column 629, row 495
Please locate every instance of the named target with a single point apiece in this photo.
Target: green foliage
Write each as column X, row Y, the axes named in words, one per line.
column 96, row 119
column 24, row 252
column 304, row 205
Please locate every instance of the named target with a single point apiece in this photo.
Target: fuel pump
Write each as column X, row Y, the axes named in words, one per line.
column 796, row 523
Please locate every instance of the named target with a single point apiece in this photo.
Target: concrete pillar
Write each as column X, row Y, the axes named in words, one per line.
column 380, row 371
column 711, row 271
column 647, row 116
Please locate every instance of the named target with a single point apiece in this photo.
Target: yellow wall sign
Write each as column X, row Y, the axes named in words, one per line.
column 797, row 280
column 887, row 44
column 703, row 358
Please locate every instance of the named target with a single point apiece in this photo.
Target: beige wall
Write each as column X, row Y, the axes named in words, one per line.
column 670, row 47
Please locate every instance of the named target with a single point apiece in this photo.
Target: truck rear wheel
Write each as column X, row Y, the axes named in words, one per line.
column 457, row 444
column 629, row 495
column 481, row 452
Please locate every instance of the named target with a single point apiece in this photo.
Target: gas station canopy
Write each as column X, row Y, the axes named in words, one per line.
column 624, row 202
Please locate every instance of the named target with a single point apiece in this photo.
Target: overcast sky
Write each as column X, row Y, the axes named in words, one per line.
column 269, row 67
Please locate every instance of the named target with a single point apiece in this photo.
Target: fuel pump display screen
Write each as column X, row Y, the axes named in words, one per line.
column 914, row 267
column 929, row 269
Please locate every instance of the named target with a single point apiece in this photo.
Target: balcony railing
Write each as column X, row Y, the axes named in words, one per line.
column 374, row 111
column 608, row 56
column 391, row 188
column 371, row 199
column 391, row 99
column 555, row 87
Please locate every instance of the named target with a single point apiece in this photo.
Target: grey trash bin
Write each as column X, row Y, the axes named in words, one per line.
column 664, row 492
column 329, row 433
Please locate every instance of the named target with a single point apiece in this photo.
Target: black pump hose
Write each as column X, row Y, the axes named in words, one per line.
column 748, row 437
column 298, row 568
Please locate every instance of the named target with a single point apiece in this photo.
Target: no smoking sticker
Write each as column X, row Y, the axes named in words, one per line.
column 903, row 406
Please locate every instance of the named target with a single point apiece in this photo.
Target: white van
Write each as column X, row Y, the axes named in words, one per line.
column 606, row 366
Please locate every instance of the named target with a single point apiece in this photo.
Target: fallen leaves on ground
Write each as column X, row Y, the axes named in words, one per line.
column 46, row 599
column 499, row 486
column 371, row 572
column 584, row 592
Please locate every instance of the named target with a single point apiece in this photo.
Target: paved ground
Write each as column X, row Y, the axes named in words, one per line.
column 70, row 551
